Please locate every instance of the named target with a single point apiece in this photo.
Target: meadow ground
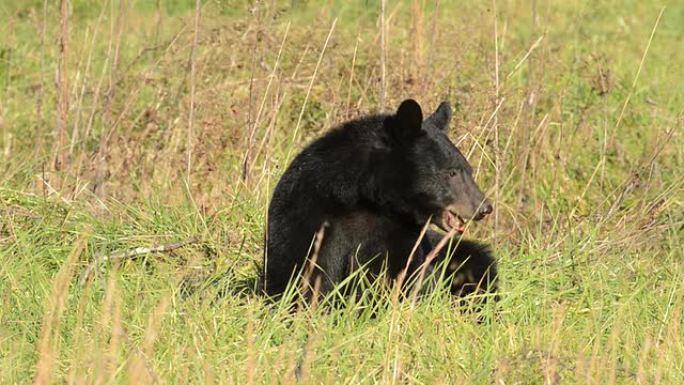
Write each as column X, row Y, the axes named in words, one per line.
column 128, row 124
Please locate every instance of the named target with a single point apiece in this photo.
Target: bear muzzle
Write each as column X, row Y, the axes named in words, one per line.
column 452, row 221
column 454, row 217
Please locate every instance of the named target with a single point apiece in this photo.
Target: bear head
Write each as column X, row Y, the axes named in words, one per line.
column 429, row 177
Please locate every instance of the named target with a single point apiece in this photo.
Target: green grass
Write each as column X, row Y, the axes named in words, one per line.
column 582, row 159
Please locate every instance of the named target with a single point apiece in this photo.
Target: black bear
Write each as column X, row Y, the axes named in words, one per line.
column 360, row 196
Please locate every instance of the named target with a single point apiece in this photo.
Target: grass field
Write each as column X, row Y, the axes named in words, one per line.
column 127, row 124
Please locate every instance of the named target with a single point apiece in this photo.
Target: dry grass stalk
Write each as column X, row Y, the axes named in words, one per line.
column 428, row 261
column 76, row 366
column 264, row 145
column 402, row 275
column 62, row 88
column 157, row 21
column 495, row 124
column 80, row 96
column 351, row 79
column 139, row 370
column 110, row 326
column 193, row 71
column 641, row 65
column 311, row 265
column 427, row 73
column 251, row 364
column 308, row 91
column 101, row 162
column 41, row 95
column 48, row 347
column 383, row 53
column 303, row 367
column 247, row 162
column 417, row 17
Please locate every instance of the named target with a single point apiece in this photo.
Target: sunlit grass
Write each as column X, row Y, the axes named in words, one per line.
column 579, row 143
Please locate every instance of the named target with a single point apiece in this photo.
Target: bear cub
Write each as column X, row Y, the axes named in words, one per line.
column 360, row 196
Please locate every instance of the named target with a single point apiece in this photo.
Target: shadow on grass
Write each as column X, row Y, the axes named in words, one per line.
column 218, row 286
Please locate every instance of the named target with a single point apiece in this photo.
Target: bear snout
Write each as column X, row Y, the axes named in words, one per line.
column 485, row 209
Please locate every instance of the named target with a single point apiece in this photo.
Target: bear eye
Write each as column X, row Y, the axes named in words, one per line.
column 453, row 172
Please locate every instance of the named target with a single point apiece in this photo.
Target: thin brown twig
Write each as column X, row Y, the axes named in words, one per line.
column 433, row 254
column 308, row 91
column 428, row 73
column 495, row 124
column 313, row 264
column 193, row 73
column 428, row 262
column 113, row 53
column 250, row 113
column 383, row 75
column 265, row 140
column 351, row 78
column 247, row 162
column 80, row 96
column 641, row 65
column 133, row 253
column 41, row 95
column 62, row 86
column 402, row 275
column 418, row 16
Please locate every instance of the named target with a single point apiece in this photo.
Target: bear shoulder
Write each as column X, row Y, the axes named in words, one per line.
column 335, row 166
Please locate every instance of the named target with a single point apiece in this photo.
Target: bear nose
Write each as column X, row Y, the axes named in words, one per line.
column 486, row 208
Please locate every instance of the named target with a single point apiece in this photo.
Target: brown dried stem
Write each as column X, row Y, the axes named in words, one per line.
column 133, row 253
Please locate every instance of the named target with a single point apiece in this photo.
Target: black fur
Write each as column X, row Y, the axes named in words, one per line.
column 469, row 268
column 368, row 187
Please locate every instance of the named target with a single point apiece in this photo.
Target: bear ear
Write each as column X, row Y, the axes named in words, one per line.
column 407, row 122
column 441, row 117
